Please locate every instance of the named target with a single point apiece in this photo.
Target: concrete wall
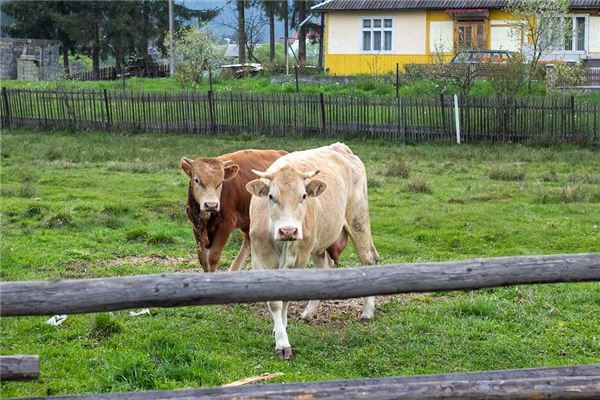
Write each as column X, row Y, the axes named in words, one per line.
column 46, row 52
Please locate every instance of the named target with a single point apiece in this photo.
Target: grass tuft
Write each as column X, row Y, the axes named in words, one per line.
column 104, row 326
column 160, row 238
column 62, row 219
column 137, row 234
column 397, row 168
column 507, row 173
column 569, row 194
column 418, row 186
column 34, row 212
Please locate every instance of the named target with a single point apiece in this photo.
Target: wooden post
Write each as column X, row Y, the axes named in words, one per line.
column 573, row 131
column 442, row 109
column 210, row 82
column 296, row 75
column 19, row 368
column 323, row 121
column 179, row 289
column 6, row 122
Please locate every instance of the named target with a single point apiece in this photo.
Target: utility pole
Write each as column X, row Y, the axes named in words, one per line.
column 171, row 49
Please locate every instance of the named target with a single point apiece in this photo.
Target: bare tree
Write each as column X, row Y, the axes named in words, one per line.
column 254, row 26
column 241, row 32
column 538, row 23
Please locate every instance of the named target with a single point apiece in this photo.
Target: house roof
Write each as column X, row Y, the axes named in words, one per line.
column 360, row 5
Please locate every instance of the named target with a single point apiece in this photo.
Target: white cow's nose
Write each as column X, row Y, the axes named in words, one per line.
column 288, row 233
column 211, row 205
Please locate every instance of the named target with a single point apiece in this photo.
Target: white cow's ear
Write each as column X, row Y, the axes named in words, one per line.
column 257, row 188
column 315, row 187
column 186, row 165
column 231, row 171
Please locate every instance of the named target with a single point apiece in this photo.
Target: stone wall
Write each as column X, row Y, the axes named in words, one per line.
column 43, row 53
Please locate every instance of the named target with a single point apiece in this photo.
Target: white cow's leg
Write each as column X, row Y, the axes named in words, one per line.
column 242, row 255
column 284, row 313
column 282, row 344
column 321, row 261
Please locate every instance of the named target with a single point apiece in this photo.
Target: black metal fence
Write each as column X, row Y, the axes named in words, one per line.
column 509, row 119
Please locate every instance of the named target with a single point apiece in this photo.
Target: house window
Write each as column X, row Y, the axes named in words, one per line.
column 377, row 34
column 575, row 33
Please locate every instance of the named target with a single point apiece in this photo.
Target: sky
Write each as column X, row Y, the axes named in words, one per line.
column 228, row 16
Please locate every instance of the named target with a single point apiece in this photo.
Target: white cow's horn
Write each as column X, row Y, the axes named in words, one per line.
column 261, row 174
column 309, row 174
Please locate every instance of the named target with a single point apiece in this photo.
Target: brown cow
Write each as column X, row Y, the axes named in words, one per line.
column 218, row 201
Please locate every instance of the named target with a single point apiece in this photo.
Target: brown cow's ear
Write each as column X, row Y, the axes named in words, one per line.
column 257, row 188
column 315, row 187
column 186, row 166
column 230, row 171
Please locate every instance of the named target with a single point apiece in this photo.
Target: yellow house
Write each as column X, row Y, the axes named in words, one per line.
column 372, row 36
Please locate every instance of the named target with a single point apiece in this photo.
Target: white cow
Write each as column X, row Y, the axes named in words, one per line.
column 294, row 217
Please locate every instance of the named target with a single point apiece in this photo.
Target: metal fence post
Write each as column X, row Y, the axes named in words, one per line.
column 323, row 122
column 211, row 111
column 108, row 116
column 6, row 119
column 457, row 119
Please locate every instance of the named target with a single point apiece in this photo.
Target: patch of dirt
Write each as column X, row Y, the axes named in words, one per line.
column 331, row 312
column 82, row 267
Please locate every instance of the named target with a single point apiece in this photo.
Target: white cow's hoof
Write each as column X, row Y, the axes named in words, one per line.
column 284, row 354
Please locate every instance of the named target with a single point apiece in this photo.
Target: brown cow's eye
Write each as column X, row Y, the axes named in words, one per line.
column 196, row 180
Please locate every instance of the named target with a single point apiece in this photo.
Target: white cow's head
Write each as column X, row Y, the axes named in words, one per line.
column 206, row 179
column 287, row 190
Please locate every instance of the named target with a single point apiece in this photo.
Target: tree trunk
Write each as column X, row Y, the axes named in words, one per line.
column 286, row 29
column 118, row 55
column 241, row 32
column 302, row 31
column 65, row 52
column 145, row 30
column 96, row 50
column 321, row 42
column 271, row 35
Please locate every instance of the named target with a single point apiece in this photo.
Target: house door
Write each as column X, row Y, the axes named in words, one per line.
column 470, row 35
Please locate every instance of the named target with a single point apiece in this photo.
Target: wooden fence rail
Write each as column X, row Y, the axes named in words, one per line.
column 19, row 367
column 512, row 119
column 179, row 289
column 578, row 382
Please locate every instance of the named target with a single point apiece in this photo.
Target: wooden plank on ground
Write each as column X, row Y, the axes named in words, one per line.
column 577, row 382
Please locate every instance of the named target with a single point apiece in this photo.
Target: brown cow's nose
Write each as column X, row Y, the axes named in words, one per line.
column 211, row 205
column 288, row 233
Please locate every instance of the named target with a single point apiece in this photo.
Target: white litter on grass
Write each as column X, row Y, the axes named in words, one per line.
column 56, row 320
column 143, row 311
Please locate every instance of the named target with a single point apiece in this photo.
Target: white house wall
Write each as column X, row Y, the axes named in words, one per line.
column 441, row 36
column 408, row 32
column 594, row 38
column 504, row 37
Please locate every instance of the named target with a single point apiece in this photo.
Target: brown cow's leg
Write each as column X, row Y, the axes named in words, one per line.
column 202, row 256
column 242, row 255
column 217, row 245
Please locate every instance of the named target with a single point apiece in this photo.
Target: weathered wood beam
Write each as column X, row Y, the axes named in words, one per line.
column 179, row 289
column 19, row 368
column 578, row 382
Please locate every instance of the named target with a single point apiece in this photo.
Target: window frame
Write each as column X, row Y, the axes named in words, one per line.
column 586, row 34
column 372, row 29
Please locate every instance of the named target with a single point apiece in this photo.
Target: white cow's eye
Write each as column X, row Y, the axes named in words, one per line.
column 271, row 197
column 304, row 196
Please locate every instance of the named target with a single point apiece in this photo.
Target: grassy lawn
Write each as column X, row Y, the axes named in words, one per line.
column 366, row 86
column 91, row 204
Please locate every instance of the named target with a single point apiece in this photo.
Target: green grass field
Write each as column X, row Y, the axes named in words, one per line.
column 92, row 204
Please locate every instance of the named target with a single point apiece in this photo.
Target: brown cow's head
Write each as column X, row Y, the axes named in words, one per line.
column 206, row 179
column 287, row 190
